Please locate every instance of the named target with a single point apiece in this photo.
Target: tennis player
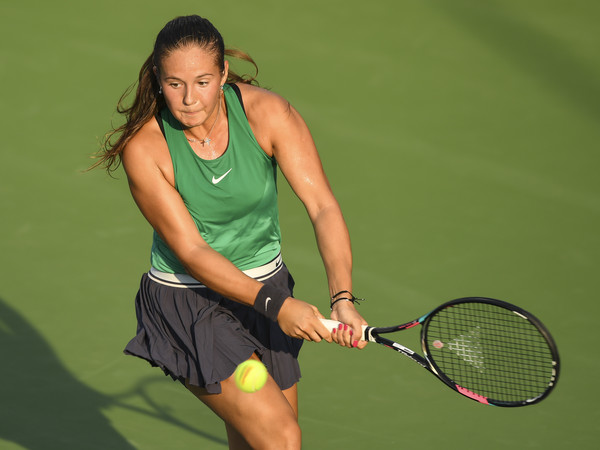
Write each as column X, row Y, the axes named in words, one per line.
column 200, row 147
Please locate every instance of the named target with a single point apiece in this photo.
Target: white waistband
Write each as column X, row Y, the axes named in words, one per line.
column 184, row 280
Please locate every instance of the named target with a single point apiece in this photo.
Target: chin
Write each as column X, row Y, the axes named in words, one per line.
column 188, row 121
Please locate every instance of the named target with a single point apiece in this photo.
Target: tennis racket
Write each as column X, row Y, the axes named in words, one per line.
column 487, row 350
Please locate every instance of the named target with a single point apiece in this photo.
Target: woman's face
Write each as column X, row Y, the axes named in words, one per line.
column 191, row 82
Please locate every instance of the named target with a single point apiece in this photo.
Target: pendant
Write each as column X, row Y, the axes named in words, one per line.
column 206, row 141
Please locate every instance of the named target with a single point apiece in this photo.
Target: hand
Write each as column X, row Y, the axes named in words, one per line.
column 299, row 319
column 349, row 335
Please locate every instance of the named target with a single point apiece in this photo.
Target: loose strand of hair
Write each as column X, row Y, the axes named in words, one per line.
column 233, row 77
column 145, row 105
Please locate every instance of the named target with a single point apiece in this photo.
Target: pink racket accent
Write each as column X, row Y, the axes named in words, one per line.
column 410, row 325
column 473, row 395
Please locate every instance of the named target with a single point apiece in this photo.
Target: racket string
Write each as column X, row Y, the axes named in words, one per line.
column 490, row 351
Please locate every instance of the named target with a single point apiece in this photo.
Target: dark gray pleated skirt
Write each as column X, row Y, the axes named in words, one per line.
column 197, row 335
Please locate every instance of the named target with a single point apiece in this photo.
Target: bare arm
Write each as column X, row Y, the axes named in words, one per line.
column 150, row 174
column 290, row 141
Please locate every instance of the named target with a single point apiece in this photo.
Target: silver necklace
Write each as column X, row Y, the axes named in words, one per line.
column 207, row 139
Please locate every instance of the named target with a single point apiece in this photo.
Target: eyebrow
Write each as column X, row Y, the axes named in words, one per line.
column 198, row 76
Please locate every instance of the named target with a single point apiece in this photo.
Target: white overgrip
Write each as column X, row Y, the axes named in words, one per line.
column 331, row 324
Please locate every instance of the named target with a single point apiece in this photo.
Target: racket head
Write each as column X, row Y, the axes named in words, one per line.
column 491, row 351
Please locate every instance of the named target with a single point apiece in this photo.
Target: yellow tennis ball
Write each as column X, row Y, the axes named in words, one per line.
column 251, row 375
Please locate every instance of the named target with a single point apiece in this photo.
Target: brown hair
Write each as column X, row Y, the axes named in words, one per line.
column 148, row 101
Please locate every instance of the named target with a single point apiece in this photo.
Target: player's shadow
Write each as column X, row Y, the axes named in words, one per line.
column 42, row 406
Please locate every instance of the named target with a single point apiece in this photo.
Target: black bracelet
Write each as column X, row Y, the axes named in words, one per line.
column 269, row 300
column 340, row 293
column 352, row 299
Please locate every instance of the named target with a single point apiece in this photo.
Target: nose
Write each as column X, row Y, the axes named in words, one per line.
column 189, row 98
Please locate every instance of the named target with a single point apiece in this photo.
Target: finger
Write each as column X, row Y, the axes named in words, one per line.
column 349, row 335
column 301, row 334
column 361, row 344
column 344, row 335
column 316, row 331
column 323, row 332
column 338, row 335
column 315, row 337
column 335, row 335
column 359, row 341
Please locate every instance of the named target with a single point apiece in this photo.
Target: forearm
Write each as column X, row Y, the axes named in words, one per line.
column 333, row 241
column 296, row 318
column 219, row 274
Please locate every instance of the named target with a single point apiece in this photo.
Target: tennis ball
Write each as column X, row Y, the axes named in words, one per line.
column 251, row 376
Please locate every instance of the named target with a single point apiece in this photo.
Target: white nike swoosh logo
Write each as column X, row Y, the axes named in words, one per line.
column 267, row 302
column 218, row 180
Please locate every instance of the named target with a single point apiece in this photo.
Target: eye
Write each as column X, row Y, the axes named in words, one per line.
column 203, row 83
column 174, row 84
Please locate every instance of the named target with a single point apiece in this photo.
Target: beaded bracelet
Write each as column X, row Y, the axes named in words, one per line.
column 352, row 298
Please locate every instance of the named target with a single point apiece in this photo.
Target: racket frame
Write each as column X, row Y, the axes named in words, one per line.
column 373, row 334
column 525, row 315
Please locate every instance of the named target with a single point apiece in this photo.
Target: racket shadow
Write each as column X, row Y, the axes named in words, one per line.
column 154, row 410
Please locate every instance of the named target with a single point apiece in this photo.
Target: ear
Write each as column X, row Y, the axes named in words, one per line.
column 225, row 72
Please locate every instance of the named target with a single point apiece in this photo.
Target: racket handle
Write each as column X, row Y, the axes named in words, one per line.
column 331, row 324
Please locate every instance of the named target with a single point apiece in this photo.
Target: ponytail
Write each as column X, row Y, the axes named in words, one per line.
column 233, row 77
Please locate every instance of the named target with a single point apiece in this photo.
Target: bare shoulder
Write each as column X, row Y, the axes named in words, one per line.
column 262, row 102
column 147, row 150
column 143, row 144
column 268, row 114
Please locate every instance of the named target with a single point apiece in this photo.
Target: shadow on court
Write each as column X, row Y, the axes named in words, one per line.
column 42, row 406
column 156, row 411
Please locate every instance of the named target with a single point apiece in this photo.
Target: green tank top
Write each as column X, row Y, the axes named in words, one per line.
column 232, row 199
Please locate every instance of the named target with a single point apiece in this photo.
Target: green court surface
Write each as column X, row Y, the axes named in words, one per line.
column 461, row 138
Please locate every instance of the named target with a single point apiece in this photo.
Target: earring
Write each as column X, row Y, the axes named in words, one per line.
column 221, row 87
column 160, row 89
